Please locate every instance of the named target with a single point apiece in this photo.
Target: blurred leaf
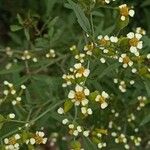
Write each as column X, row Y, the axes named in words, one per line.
column 1, row 121
column 67, row 105
column 82, row 19
column 145, row 120
column 15, row 28
column 88, row 145
column 14, row 68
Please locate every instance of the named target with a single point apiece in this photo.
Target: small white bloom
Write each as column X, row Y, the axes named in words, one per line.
column 60, row 110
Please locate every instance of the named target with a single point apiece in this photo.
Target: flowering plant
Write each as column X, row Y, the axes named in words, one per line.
column 95, row 96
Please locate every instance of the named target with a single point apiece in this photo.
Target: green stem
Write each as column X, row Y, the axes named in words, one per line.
column 47, row 111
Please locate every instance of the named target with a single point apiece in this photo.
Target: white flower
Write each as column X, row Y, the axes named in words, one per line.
column 135, row 43
column 71, row 126
column 17, row 136
column 5, row 92
column 23, row 87
column 103, row 60
column 86, row 110
column 125, row 60
column 89, row 48
column 125, row 12
column 79, row 128
column 32, row 141
column 134, row 70
column 140, row 31
column 80, row 57
column 12, row 116
column 148, row 56
column 102, row 99
column 113, row 39
column 75, row 132
column 86, row 133
column 51, row 54
column 65, row 121
column 60, row 111
column 79, row 95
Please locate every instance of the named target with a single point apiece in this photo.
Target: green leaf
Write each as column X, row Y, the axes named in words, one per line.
column 88, row 145
column 93, row 95
column 15, row 28
column 108, row 70
column 68, row 105
column 82, row 19
column 147, row 86
column 75, row 145
column 14, row 68
column 2, row 119
column 26, row 32
column 20, row 20
column 145, row 120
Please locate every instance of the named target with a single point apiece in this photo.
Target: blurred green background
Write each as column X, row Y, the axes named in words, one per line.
column 43, row 9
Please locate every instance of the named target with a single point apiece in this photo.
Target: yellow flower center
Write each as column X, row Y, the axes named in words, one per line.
column 126, row 60
column 134, row 42
column 81, row 70
column 12, row 141
column 103, row 42
column 79, row 96
column 124, row 11
column 38, row 139
column 120, row 139
column 101, row 100
column 90, row 47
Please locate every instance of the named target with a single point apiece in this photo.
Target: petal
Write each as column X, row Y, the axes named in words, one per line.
column 123, row 18
column 71, row 94
column 86, row 92
column 138, row 36
column 140, row 45
column 104, row 94
column 130, row 35
column 104, row 105
column 78, row 88
column 133, row 49
column 84, row 102
column 77, row 66
column 131, row 12
column 86, row 72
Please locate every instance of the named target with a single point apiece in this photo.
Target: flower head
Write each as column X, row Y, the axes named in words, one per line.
column 79, row 96
column 125, row 12
column 135, row 43
column 125, row 60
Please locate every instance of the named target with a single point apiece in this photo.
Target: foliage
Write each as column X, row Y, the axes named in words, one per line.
column 101, row 102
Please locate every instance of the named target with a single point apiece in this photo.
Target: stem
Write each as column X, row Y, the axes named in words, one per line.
column 47, row 111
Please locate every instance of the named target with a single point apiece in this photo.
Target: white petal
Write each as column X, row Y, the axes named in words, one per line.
column 125, row 65
column 78, row 88
column 100, row 37
column 71, row 94
column 123, row 18
column 138, row 36
column 140, row 45
column 77, row 66
column 84, row 102
column 104, row 94
column 130, row 35
column 77, row 103
column 133, row 49
column 86, row 72
column 104, row 105
column 120, row 59
column 131, row 12
column 86, row 92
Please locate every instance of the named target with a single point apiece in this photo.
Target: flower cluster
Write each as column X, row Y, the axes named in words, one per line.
column 125, row 11
column 12, row 93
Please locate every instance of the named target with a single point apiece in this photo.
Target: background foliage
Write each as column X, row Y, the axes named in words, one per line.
column 44, row 24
